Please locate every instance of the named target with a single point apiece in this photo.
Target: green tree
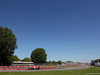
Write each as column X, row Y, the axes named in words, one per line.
column 53, row 62
column 15, row 58
column 7, row 45
column 60, row 62
column 68, row 61
column 27, row 59
column 38, row 55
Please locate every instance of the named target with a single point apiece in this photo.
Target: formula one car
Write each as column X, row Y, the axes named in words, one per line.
column 34, row 68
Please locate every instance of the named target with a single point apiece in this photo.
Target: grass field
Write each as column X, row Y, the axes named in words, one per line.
column 94, row 70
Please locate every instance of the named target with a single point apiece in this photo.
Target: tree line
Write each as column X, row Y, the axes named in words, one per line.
column 27, row 59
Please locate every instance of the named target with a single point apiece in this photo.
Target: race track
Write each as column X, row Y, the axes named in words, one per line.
column 58, row 69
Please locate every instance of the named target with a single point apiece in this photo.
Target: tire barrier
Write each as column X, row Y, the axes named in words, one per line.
column 29, row 66
column 47, row 68
column 13, row 69
column 49, row 65
column 14, row 66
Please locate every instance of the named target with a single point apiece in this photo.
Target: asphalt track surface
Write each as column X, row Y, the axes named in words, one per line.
column 58, row 69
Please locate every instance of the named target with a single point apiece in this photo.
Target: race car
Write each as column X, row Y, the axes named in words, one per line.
column 34, row 68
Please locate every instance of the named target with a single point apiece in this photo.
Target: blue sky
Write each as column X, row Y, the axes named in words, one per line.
column 66, row 29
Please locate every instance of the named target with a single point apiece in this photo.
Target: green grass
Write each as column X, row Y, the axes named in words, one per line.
column 66, row 72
